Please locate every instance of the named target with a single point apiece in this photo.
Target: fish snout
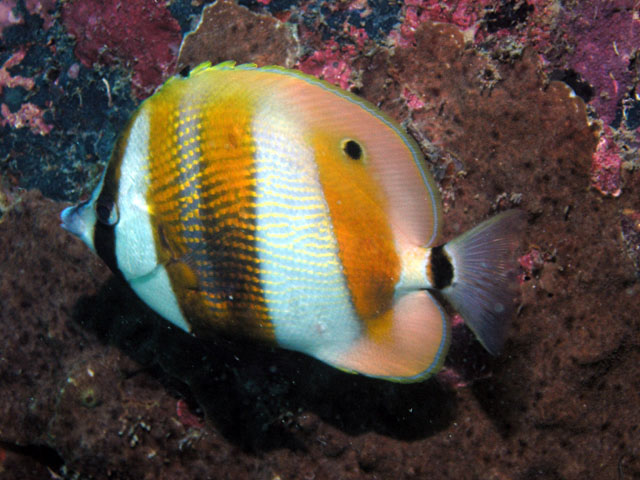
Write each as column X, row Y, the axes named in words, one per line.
column 79, row 220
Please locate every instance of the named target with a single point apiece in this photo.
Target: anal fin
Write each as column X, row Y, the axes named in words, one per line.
column 408, row 343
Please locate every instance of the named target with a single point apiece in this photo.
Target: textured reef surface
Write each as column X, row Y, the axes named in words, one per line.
column 530, row 103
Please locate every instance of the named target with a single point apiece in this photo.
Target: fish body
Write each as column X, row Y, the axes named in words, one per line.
column 265, row 203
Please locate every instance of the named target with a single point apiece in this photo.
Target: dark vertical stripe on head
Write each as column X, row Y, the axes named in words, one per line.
column 104, row 235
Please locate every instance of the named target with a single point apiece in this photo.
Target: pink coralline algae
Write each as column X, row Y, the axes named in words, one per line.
column 10, row 16
column 520, row 24
column 7, row 14
column 606, row 36
column 141, row 34
column 606, row 164
column 7, row 80
column 456, row 320
column 530, row 262
column 29, row 115
column 630, row 229
column 414, row 102
column 358, row 35
column 465, row 14
column 186, row 417
column 332, row 63
column 474, row 19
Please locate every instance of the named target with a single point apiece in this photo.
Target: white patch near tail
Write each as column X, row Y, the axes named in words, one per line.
column 484, row 286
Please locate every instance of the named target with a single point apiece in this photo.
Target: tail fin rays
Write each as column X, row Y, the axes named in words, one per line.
column 484, row 284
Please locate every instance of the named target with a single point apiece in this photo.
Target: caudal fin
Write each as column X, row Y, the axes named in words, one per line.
column 483, row 288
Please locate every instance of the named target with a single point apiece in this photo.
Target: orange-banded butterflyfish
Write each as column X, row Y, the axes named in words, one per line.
column 266, row 203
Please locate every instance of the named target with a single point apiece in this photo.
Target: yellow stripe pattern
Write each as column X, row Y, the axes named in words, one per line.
column 202, row 196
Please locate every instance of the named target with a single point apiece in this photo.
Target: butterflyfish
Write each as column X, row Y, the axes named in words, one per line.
column 269, row 204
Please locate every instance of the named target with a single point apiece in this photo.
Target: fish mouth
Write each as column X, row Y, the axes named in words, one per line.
column 79, row 221
column 72, row 220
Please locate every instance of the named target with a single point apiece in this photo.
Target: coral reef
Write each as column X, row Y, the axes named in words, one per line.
column 59, row 124
column 27, row 114
column 604, row 50
column 141, row 34
column 605, row 169
column 630, row 227
column 222, row 35
column 10, row 14
column 513, row 104
column 332, row 63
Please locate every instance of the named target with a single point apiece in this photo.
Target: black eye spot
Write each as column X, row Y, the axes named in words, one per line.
column 352, row 149
column 107, row 212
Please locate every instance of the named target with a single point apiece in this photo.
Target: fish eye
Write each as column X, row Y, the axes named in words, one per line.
column 352, row 149
column 107, row 212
